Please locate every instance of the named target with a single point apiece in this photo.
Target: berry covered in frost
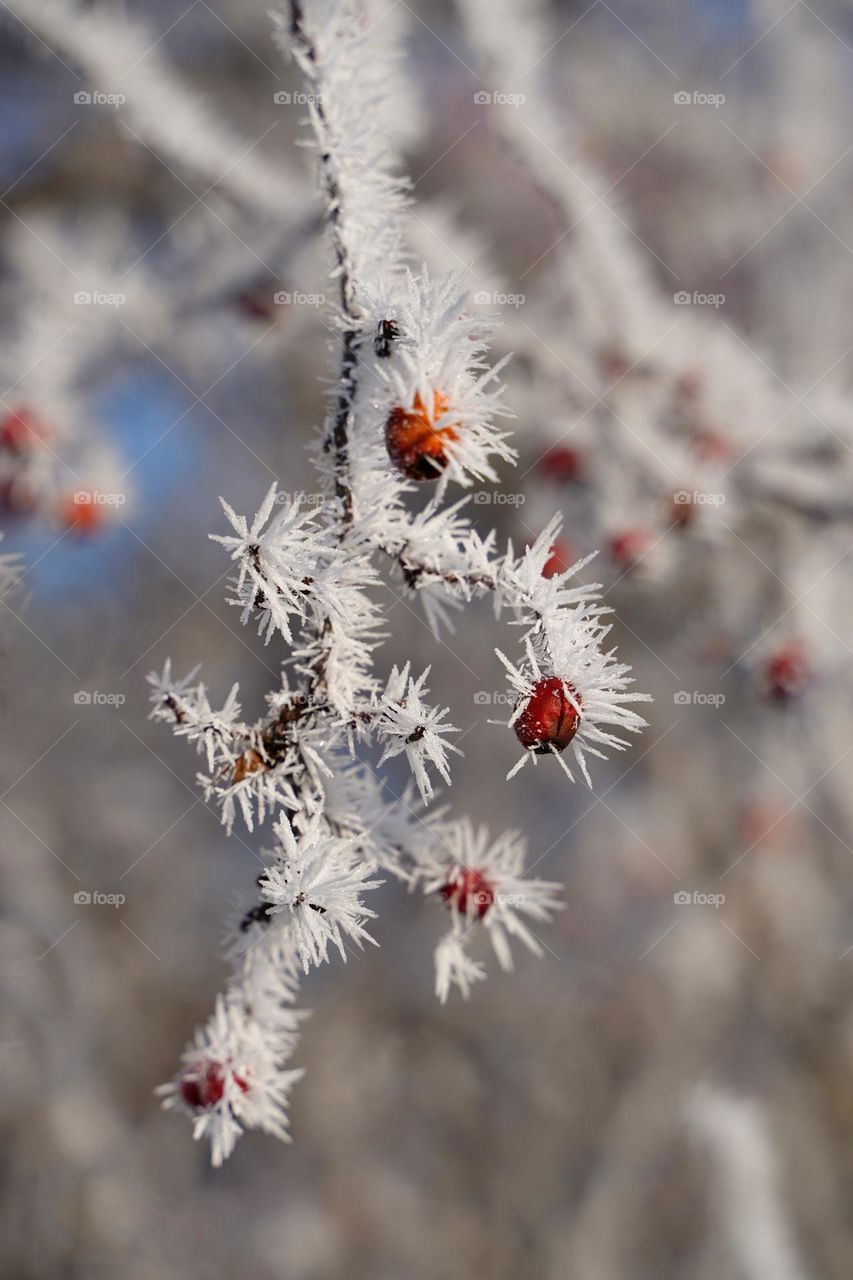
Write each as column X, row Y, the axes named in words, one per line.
column 415, row 443
column 470, row 892
column 201, row 1091
column 560, row 560
column 549, row 719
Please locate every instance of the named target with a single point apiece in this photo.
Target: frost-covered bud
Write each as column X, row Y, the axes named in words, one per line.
column 550, row 719
column 469, row 892
column 417, row 441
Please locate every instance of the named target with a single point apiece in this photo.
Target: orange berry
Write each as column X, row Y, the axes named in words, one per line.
column 81, row 514
column 415, row 445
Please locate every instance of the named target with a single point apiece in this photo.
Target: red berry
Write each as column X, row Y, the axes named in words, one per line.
column 201, row 1092
column 549, row 719
column 628, row 548
column 414, row 443
column 470, row 892
column 20, row 431
column 81, row 514
column 786, row 673
column 561, row 464
column 560, row 560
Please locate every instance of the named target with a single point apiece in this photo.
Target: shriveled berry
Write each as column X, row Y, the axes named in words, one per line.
column 248, row 763
column 549, row 720
column 415, row 445
column 470, row 892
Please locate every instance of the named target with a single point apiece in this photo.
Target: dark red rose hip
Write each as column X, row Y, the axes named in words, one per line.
column 549, row 720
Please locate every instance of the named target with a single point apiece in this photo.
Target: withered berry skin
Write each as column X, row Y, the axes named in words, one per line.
column 414, row 445
column 207, row 1091
column 470, row 892
column 548, row 720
